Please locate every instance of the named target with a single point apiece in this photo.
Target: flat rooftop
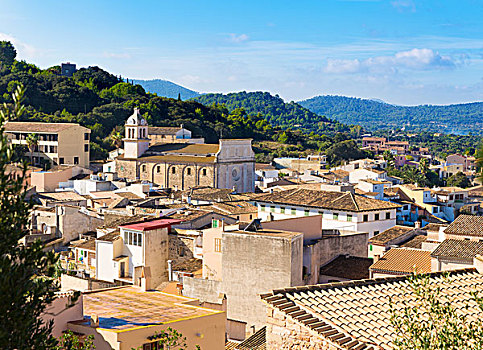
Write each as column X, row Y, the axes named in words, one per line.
column 125, row 308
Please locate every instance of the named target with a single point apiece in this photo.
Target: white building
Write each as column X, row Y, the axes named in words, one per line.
column 133, row 252
column 344, row 212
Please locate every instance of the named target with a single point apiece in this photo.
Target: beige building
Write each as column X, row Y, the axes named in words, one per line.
column 229, row 164
column 126, row 318
column 242, row 262
column 58, row 143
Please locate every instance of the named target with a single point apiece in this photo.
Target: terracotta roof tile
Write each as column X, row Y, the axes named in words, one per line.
column 38, row 127
column 390, row 234
column 163, row 130
column 415, row 242
column 466, row 225
column 458, row 248
column 403, row 261
column 359, row 310
column 257, row 341
column 327, row 199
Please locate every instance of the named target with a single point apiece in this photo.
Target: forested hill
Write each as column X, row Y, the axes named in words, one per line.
column 274, row 110
column 459, row 118
column 166, row 88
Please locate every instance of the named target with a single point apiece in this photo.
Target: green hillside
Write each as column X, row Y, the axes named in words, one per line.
column 373, row 115
column 166, row 88
column 102, row 102
column 274, row 110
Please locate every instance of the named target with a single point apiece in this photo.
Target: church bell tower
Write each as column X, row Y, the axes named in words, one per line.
column 136, row 141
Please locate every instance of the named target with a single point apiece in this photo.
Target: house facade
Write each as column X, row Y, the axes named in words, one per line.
column 58, row 143
column 344, row 212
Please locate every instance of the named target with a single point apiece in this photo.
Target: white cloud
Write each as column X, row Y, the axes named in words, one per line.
column 238, row 38
column 24, row 50
column 415, row 59
column 404, row 5
column 116, row 55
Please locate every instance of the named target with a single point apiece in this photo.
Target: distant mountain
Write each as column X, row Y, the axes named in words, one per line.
column 166, row 88
column 458, row 118
column 274, row 109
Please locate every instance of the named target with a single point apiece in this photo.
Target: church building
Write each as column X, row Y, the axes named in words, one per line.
column 228, row 164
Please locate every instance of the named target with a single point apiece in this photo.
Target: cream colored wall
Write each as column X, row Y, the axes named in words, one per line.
column 212, row 268
column 61, row 311
column 71, row 144
column 48, row 181
column 207, row 331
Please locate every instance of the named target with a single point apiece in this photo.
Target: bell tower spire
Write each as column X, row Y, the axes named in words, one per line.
column 136, row 141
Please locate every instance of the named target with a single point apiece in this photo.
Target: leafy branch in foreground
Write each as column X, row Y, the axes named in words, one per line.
column 430, row 320
column 27, row 283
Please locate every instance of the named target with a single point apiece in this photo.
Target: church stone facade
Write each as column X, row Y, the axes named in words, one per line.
column 229, row 164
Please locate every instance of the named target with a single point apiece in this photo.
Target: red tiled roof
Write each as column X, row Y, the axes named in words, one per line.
column 151, row 225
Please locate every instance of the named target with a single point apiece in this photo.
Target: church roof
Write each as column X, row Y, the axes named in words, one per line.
column 193, row 149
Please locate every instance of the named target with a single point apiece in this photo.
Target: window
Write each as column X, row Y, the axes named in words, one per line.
column 349, row 217
column 76, row 160
column 294, row 211
column 86, row 147
column 86, row 136
column 129, row 241
column 188, row 171
column 173, row 170
column 321, row 212
column 282, row 210
column 61, row 160
column 262, row 207
column 365, row 218
column 214, row 223
column 251, row 216
column 335, row 216
column 158, row 169
column 376, row 233
column 306, row 212
column 388, row 216
column 376, row 217
column 272, row 209
column 370, row 247
column 203, row 172
column 218, row 245
column 152, row 346
column 126, row 235
column 143, row 168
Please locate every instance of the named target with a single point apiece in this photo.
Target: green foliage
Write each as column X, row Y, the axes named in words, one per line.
column 122, row 91
column 460, row 118
column 70, row 341
column 429, row 320
column 458, row 180
column 275, row 111
column 7, row 53
column 345, row 151
column 27, row 273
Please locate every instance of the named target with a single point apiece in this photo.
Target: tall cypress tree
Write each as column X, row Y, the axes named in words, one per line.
column 27, row 273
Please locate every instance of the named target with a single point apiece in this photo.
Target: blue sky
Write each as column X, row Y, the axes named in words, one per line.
column 401, row 51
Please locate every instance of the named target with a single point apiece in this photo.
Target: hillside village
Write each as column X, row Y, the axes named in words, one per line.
column 172, row 231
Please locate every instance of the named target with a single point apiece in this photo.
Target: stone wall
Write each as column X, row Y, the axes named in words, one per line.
column 285, row 333
column 181, row 248
column 203, row 289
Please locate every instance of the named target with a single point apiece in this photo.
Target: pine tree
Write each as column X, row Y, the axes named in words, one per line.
column 26, row 272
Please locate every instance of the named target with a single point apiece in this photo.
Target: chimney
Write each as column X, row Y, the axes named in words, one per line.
column 145, row 279
column 170, row 270
column 376, row 258
column 94, row 322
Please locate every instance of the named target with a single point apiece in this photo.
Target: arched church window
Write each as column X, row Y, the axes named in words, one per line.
column 158, row 169
column 143, row 168
column 188, row 171
column 173, row 170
